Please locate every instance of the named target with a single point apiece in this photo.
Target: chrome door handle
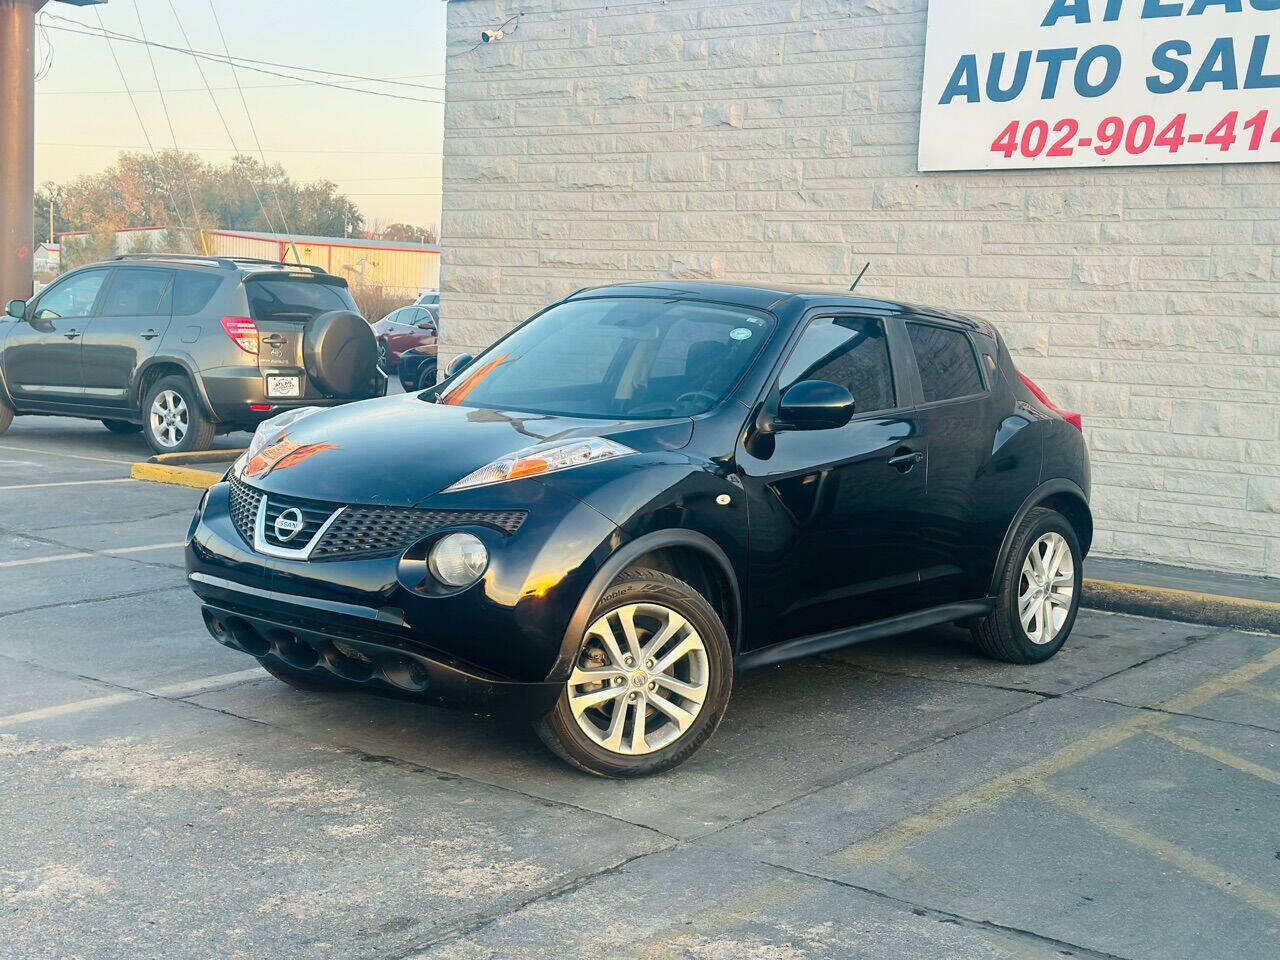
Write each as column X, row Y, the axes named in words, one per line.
column 150, row 335
column 906, row 460
column 71, row 334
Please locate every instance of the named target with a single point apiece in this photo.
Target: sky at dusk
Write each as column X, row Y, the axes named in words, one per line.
column 384, row 153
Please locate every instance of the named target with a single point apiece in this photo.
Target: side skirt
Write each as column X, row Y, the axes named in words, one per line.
column 847, row 637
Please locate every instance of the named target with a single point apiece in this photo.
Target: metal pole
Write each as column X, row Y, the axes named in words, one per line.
column 17, row 145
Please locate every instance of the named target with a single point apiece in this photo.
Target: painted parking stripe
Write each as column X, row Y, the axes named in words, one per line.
column 64, row 483
column 170, row 691
column 69, row 456
column 80, row 555
column 1223, row 757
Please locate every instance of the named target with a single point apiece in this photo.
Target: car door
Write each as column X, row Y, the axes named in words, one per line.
column 957, row 425
column 42, row 358
column 131, row 319
column 833, row 512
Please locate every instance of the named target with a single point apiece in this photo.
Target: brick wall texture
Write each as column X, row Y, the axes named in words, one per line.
column 777, row 141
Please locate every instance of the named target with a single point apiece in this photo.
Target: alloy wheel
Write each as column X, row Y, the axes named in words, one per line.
column 169, row 418
column 641, row 679
column 1046, row 588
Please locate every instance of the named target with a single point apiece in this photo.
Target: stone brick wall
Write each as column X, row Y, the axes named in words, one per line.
column 777, row 140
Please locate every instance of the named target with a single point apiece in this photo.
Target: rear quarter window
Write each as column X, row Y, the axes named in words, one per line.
column 295, row 299
column 947, row 362
column 193, row 291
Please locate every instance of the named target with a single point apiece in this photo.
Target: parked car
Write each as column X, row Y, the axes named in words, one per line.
column 429, row 299
column 401, row 330
column 642, row 490
column 185, row 347
column 417, row 370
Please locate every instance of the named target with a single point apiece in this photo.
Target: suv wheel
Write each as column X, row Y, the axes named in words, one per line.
column 6, row 414
column 384, row 361
column 173, row 421
column 650, row 684
column 1039, row 592
column 122, row 426
column 427, row 376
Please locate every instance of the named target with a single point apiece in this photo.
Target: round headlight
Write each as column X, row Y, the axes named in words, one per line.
column 458, row 559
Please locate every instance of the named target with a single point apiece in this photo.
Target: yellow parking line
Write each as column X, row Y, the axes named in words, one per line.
column 31, row 561
column 58, row 453
column 1261, row 694
column 116, row 551
column 893, row 838
column 1252, row 894
column 185, row 689
column 178, row 476
column 80, row 555
column 63, row 483
column 1218, row 754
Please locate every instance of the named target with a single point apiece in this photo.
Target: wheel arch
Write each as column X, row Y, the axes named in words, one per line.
column 687, row 552
column 1062, row 495
column 156, row 367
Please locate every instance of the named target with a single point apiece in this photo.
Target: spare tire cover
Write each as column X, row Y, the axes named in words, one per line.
column 341, row 353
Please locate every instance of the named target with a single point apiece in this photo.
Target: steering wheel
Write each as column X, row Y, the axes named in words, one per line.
column 692, row 395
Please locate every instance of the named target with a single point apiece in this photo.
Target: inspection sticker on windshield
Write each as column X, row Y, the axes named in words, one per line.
column 740, row 333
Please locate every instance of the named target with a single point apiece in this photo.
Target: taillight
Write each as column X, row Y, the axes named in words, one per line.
column 243, row 333
column 1070, row 416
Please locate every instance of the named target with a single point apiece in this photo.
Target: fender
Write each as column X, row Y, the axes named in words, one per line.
column 183, row 360
column 1034, row 499
column 618, row 562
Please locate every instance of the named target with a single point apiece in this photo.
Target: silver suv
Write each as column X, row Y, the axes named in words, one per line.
column 185, row 347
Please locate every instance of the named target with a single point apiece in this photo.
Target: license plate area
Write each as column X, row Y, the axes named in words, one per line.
column 284, row 387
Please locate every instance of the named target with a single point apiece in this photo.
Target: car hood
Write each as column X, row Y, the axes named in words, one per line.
column 399, row 451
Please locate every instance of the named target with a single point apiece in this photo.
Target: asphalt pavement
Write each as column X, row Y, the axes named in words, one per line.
column 163, row 797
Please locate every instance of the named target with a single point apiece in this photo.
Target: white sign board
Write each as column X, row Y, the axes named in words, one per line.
column 1087, row 83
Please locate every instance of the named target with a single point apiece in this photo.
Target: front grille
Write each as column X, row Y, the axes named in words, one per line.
column 360, row 531
column 375, row 531
column 244, row 507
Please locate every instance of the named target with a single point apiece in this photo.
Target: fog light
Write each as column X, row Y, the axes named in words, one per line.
column 458, row 559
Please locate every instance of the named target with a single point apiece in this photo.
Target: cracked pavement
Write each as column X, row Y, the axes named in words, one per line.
column 902, row 799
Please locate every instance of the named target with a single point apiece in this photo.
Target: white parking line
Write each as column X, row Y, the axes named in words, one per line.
column 185, row 689
column 69, row 456
column 64, row 483
column 80, row 555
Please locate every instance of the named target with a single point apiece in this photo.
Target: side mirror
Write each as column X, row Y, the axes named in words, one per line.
column 814, row 405
column 458, row 364
column 16, row 309
column 428, row 326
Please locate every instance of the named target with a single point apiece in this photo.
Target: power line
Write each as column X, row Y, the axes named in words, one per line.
column 225, row 126
column 246, row 64
column 164, row 106
column 255, row 86
column 141, row 146
column 138, row 114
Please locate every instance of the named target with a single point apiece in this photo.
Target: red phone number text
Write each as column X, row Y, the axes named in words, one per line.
column 1139, row 135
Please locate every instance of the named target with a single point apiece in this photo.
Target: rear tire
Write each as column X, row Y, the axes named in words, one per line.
column 1039, row 592
column 301, row 679
column 122, row 427
column 173, row 421
column 427, row 376
column 6, row 415
column 674, row 692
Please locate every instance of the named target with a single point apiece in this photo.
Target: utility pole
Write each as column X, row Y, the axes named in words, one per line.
column 17, row 142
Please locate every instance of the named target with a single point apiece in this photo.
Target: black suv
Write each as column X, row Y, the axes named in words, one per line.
column 643, row 490
column 185, row 347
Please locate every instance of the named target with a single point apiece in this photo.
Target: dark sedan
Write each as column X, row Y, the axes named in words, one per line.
column 642, row 490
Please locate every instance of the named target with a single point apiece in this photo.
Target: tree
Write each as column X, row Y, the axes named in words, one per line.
column 407, row 233
column 178, row 189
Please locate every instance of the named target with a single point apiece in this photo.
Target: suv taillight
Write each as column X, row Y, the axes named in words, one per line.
column 243, row 333
column 1070, row 416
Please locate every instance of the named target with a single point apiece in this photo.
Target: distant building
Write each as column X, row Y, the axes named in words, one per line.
column 47, row 258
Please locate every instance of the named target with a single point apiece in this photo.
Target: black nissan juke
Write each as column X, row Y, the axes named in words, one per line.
column 641, row 490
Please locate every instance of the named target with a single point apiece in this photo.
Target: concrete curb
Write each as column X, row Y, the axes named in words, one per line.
column 172, row 468
column 1240, row 613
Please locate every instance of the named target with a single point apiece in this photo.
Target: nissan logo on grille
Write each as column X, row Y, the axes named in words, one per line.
column 288, row 525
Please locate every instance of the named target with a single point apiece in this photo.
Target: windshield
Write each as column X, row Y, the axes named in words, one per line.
column 618, row 357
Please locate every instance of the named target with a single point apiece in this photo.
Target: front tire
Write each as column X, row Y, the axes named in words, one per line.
column 122, row 427
column 427, row 376
column 173, row 421
column 650, row 684
column 1039, row 592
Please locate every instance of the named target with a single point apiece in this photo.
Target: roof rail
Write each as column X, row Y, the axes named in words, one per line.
column 280, row 264
column 220, row 261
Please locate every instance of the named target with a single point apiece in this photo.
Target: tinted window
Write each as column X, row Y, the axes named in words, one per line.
column 286, row 298
column 136, row 292
column 73, row 297
column 617, row 357
column 948, row 367
column 193, row 291
column 850, row 351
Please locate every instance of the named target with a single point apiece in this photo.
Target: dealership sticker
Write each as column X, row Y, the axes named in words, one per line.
column 1092, row 83
column 740, row 333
